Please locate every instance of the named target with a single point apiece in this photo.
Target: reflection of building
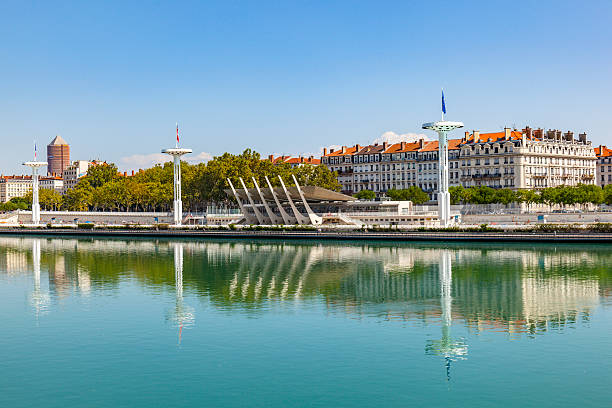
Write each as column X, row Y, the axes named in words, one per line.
column 557, row 299
column 506, row 289
column 14, row 262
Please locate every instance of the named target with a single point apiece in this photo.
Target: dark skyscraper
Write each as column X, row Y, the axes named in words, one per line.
column 58, row 156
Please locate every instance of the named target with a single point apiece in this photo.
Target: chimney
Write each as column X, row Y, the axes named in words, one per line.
column 527, row 131
column 466, row 135
column 421, row 143
column 271, row 158
column 331, row 150
column 125, row 174
column 357, row 148
column 385, row 145
column 132, row 172
column 582, row 137
column 343, row 149
column 404, row 145
column 476, row 136
column 325, row 151
column 507, row 133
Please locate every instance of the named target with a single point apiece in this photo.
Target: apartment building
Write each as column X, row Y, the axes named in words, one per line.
column 385, row 166
column 52, row 183
column 14, row 186
column 604, row 166
column 74, row 172
column 527, row 159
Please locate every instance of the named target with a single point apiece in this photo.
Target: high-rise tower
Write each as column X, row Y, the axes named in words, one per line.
column 58, row 156
column 442, row 128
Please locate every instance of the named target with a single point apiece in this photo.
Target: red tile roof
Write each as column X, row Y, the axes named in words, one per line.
column 603, row 151
column 293, row 160
column 496, row 136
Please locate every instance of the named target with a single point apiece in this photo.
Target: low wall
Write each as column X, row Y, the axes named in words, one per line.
column 532, row 218
column 69, row 217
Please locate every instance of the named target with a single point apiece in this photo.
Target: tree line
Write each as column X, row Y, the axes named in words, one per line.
column 581, row 194
column 203, row 184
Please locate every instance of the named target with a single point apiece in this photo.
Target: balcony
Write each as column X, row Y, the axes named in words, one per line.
column 487, row 176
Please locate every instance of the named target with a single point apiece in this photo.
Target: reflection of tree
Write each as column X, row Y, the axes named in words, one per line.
column 501, row 287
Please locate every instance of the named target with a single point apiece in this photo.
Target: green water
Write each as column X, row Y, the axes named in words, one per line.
column 160, row 323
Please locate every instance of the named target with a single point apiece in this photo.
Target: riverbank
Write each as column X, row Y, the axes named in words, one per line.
column 481, row 236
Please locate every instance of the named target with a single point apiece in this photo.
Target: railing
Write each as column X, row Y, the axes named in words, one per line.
column 491, row 175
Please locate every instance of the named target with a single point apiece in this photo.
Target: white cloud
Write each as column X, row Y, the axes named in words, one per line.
column 198, row 158
column 392, row 137
column 143, row 161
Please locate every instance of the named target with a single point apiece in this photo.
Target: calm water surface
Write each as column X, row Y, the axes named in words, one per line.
column 135, row 323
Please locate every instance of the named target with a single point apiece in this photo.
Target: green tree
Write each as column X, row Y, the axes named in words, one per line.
column 50, row 200
column 412, row 193
column 365, row 195
column 505, row 196
column 607, row 194
column 79, row 198
column 100, row 174
column 457, row 194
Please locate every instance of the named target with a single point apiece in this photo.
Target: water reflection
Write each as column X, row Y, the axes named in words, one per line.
column 447, row 347
column 182, row 315
column 512, row 289
column 38, row 298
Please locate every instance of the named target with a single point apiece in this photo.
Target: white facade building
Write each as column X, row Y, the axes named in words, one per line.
column 527, row 159
column 14, row 186
column 604, row 166
column 52, row 183
column 74, row 172
column 531, row 159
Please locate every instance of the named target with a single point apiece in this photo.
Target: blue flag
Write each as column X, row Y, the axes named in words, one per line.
column 443, row 104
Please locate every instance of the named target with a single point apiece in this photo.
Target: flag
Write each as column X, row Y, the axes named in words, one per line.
column 34, row 151
column 177, row 136
column 443, row 104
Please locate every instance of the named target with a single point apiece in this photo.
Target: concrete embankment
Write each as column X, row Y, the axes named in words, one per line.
column 584, row 237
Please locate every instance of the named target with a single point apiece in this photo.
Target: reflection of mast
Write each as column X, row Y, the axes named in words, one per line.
column 183, row 315
column 446, row 347
column 39, row 300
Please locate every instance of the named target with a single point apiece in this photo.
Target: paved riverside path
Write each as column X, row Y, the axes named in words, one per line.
column 324, row 235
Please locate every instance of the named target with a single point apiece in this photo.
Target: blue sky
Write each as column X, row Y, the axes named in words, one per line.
column 292, row 76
